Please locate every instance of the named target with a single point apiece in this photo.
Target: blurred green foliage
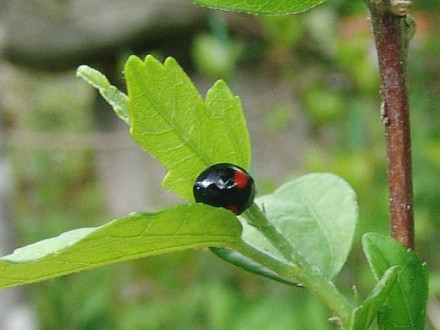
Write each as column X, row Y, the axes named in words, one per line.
column 328, row 58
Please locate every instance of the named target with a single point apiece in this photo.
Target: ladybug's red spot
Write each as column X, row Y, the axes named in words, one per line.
column 233, row 208
column 241, row 179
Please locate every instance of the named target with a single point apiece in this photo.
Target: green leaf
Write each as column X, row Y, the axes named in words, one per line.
column 246, row 263
column 364, row 315
column 170, row 120
column 317, row 213
column 262, row 7
column 135, row 236
column 406, row 303
column 111, row 94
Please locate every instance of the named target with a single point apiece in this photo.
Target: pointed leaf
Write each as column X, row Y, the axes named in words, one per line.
column 365, row 314
column 135, row 236
column 406, row 303
column 111, row 94
column 262, row 7
column 169, row 119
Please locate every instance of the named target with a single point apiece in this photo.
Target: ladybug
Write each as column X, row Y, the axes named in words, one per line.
column 225, row 185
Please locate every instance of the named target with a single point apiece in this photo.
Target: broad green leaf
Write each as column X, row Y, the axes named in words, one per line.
column 111, row 94
column 364, row 315
column 406, row 303
column 317, row 213
column 170, row 120
column 262, row 7
column 135, row 236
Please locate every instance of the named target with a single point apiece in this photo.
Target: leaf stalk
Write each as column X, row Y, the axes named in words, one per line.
column 301, row 271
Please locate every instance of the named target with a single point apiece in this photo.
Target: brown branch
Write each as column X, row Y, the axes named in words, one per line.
column 391, row 33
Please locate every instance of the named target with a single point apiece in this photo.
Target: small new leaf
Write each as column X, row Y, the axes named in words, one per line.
column 111, row 94
column 406, row 303
column 364, row 315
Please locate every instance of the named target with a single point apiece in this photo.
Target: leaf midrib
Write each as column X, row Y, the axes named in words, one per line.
column 175, row 128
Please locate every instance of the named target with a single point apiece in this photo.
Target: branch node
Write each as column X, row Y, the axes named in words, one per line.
column 400, row 7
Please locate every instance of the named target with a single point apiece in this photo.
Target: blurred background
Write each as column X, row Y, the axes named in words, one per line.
column 309, row 87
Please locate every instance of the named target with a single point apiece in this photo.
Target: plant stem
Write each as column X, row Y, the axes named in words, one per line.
column 392, row 34
column 300, row 270
column 256, row 218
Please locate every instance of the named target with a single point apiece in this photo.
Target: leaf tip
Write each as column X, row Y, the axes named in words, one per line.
column 220, row 83
column 150, row 59
column 80, row 70
column 133, row 59
column 170, row 61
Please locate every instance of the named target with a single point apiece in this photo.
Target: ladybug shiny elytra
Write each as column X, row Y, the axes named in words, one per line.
column 225, row 185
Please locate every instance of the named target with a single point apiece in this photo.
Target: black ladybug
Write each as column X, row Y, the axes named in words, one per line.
column 225, row 185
